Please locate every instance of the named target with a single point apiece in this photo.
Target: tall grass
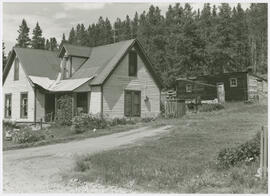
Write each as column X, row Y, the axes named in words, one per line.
column 184, row 161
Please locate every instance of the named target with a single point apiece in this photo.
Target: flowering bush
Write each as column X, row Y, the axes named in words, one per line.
column 247, row 152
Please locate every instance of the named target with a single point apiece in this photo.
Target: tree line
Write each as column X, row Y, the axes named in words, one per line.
column 183, row 42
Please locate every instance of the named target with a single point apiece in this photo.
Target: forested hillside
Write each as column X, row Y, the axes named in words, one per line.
column 185, row 41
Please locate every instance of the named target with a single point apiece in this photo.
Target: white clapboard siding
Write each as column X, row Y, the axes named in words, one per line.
column 113, row 90
column 16, row 88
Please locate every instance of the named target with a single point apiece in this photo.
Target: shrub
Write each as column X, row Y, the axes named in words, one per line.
column 247, row 152
column 210, row 107
column 64, row 110
column 85, row 122
column 28, row 136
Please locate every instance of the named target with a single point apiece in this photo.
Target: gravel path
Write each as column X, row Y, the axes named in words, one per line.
column 37, row 170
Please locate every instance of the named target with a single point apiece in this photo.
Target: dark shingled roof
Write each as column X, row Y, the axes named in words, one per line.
column 79, row 51
column 102, row 61
column 36, row 62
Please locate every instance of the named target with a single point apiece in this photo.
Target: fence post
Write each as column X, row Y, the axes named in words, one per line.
column 41, row 123
column 265, row 131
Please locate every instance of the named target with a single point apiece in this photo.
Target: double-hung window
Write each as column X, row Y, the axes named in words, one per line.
column 8, row 106
column 24, row 105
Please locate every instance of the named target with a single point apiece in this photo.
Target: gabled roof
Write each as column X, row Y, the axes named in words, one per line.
column 100, row 61
column 104, row 59
column 72, row 50
column 35, row 62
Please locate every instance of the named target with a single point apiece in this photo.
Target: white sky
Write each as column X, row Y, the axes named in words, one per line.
column 58, row 18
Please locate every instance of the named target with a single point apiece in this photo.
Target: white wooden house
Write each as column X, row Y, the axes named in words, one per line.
column 116, row 79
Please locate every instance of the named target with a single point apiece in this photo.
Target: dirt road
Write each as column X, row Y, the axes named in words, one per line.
column 37, row 170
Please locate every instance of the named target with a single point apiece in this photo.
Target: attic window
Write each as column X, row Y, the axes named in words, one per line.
column 16, row 69
column 188, row 88
column 132, row 68
column 233, row 82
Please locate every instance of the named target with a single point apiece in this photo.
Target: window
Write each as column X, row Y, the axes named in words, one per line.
column 132, row 68
column 24, row 105
column 188, row 88
column 82, row 104
column 8, row 106
column 132, row 105
column 16, row 69
column 233, row 82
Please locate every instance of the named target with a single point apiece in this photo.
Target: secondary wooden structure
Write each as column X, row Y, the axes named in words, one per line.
column 114, row 80
column 234, row 86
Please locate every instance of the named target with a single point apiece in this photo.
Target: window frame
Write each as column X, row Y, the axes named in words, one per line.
column 131, row 63
column 8, row 95
column 16, row 69
column 233, row 85
column 21, row 105
column 132, row 93
column 188, row 88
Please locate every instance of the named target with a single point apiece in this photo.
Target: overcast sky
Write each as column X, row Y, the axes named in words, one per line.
column 58, row 18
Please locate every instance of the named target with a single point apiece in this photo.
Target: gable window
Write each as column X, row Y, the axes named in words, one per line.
column 24, row 105
column 132, row 68
column 132, row 105
column 233, row 82
column 8, row 106
column 188, row 88
column 16, row 69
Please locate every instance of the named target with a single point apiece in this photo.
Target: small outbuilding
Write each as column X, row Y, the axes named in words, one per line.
column 234, row 86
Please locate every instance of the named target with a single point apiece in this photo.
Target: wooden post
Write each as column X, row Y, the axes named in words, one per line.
column 261, row 153
column 265, row 152
column 41, row 123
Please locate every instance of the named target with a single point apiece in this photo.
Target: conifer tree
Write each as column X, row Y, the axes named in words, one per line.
column 23, row 39
column 38, row 42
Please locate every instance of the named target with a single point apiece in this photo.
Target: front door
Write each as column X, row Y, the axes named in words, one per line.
column 220, row 92
column 132, row 106
column 49, row 107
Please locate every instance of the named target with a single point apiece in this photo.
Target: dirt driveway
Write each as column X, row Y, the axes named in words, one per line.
column 37, row 170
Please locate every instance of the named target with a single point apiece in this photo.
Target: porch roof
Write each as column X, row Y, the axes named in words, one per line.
column 60, row 86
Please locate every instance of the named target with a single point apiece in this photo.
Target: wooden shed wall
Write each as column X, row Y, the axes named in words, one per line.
column 208, row 93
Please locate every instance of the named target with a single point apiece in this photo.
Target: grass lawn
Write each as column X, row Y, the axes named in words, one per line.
column 184, row 161
column 65, row 134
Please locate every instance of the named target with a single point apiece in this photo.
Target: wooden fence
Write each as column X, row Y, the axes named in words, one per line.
column 264, row 152
column 175, row 108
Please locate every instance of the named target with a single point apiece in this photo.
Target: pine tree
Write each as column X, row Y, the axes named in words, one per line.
column 47, row 45
column 134, row 25
column 109, row 32
column 63, row 40
column 53, row 44
column 72, row 36
column 23, row 39
column 38, row 42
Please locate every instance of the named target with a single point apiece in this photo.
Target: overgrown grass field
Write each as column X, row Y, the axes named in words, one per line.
column 185, row 160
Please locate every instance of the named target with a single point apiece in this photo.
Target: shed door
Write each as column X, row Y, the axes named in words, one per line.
column 220, row 92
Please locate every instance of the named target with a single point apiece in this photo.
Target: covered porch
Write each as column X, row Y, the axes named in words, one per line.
column 77, row 103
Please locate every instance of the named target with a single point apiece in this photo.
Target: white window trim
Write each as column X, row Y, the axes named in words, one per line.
column 231, row 84
column 188, row 88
